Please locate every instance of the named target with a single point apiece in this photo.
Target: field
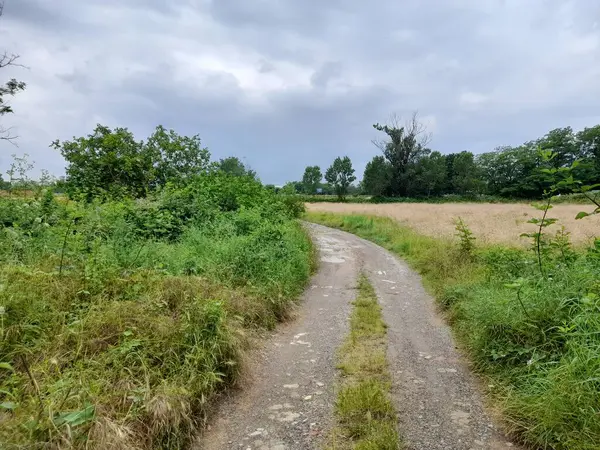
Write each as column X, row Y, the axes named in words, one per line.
column 490, row 222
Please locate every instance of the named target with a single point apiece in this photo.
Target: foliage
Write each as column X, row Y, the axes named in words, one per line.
column 465, row 235
column 340, row 175
column 8, row 89
column 111, row 164
column 234, row 166
column 311, row 179
column 120, row 320
column 377, row 177
column 405, row 146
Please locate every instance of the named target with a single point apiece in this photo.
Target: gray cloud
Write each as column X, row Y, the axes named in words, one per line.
column 285, row 84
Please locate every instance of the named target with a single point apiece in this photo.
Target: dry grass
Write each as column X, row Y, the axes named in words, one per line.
column 491, row 223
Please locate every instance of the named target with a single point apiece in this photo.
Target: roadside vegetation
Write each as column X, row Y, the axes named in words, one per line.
column 529, row 319
column 127, row 304
column 365, row 415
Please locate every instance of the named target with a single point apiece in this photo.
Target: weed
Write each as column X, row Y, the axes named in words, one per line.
column 364, row 411
column 120, row 321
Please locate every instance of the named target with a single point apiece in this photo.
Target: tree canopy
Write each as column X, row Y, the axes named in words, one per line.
column 8, row 89
column 340, row 175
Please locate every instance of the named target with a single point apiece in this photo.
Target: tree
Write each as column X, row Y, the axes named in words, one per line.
column 311, row 179
column 176, row 158
column 107, row 164
column 464, row 178
column 10, row 88
column 112, row 164
column 588, row 142
column 234, row 166
column 377, row 177
column 340, row 175
column 406, row 144
column 430, row 175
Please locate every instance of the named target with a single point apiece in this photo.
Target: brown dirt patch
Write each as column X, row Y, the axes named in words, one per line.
column 491, row 223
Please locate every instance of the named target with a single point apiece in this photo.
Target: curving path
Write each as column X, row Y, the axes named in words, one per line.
column 288, row 403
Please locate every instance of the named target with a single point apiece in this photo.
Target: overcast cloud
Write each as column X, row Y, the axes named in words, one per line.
column 288, row 83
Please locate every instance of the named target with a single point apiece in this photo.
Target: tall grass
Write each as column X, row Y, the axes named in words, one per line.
column 537, row 338
column 120, row 321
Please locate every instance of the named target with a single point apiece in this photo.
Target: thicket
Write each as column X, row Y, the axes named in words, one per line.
column 122, row 314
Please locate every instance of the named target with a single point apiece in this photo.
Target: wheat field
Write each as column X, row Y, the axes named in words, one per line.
column 490, row 222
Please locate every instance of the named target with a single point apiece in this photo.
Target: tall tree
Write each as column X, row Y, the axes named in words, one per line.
column 464, row 178
column 430, row 175
column 377, row 177
column 8, row 89
column 340, row 175
column 176, row 158
column 234, row 166
column 107, row 164
column 405, row 145
column 111, row 163
column 588, row 141
column 311, row 179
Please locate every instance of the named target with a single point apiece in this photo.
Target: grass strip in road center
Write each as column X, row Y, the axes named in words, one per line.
column 366, row 418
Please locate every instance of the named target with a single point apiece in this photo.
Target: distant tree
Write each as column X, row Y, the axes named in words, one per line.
column 588, row 142
column 175, row 158
column 464, row 178
column 430, row 175
column 340, row 175
column 563, row 143
column 8, row 89
column 234, row 166
column 377, row 177
column 292, row 187
column 405, row 145
column 311, row 179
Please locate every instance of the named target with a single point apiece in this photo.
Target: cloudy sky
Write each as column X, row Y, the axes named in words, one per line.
column 287, row 83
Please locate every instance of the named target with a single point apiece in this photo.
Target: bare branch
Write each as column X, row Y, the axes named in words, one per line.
column 5, row 135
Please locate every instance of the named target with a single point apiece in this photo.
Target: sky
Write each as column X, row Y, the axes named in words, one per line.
column 283, row 84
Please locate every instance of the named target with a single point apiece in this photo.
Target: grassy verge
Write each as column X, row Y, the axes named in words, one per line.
column 535, row 337
column 120, row 321
column 365, row 414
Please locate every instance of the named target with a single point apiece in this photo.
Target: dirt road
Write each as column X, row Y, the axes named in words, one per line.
column 288, row 405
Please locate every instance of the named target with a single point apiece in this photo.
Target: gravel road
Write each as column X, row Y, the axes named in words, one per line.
column 288, row 403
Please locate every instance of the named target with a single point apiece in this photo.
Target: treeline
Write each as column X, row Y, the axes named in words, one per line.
column 408, row 167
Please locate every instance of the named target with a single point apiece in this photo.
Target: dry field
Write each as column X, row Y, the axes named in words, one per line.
column 490, row 222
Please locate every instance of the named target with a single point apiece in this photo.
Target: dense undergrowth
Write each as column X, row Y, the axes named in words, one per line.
column 119, row 321
column 536, row 335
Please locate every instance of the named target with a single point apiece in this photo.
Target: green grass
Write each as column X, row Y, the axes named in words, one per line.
column 535, row 338
column 118, row 324
column 365, row 414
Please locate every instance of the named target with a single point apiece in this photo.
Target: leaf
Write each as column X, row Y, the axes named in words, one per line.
column 75, row 418
column 6, row 366
column 8, row 405
column 581, row 215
